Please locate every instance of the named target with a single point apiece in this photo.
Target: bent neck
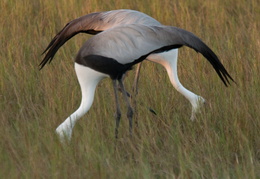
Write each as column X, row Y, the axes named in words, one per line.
column 169, row 61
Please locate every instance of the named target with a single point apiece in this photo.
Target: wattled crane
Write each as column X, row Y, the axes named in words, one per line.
column 114, row 51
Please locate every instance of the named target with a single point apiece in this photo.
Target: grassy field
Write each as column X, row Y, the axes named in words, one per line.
column 223, row 142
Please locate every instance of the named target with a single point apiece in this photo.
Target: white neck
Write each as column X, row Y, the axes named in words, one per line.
column 88, row 80
column 169, row 61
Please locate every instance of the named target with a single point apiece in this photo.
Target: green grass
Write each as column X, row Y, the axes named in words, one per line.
column 222, row 143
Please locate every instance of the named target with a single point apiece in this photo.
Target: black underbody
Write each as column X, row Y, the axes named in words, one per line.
column 104, row 65
column 110, row 66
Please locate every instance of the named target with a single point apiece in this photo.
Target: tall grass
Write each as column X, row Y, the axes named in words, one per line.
column 222, row 143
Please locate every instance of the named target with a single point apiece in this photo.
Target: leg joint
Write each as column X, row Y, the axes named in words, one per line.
column 130, row 112
column 118, row 114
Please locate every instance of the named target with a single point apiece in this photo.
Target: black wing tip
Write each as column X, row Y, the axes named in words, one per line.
column 222, row 73
column 42, row 64
column 45, row 60
column 198, row 45
column 63, row 36
column 229, row 80
column 216, row 63
column 56, row 42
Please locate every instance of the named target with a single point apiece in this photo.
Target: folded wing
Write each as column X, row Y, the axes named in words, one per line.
column 130, row 44
column 93, row 24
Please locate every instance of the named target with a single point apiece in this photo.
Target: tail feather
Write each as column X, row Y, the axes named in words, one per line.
column 198, row 45
column 83, row 24
column 176, row 37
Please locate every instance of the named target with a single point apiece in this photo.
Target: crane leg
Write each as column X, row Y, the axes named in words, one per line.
column 135, row 85
column 118, row 111
column 130, row 111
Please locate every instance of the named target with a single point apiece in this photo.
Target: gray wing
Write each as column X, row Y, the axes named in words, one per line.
column 130, row 44
column 93, row 24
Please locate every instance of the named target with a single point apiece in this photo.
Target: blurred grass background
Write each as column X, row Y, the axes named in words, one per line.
column 222, row 143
